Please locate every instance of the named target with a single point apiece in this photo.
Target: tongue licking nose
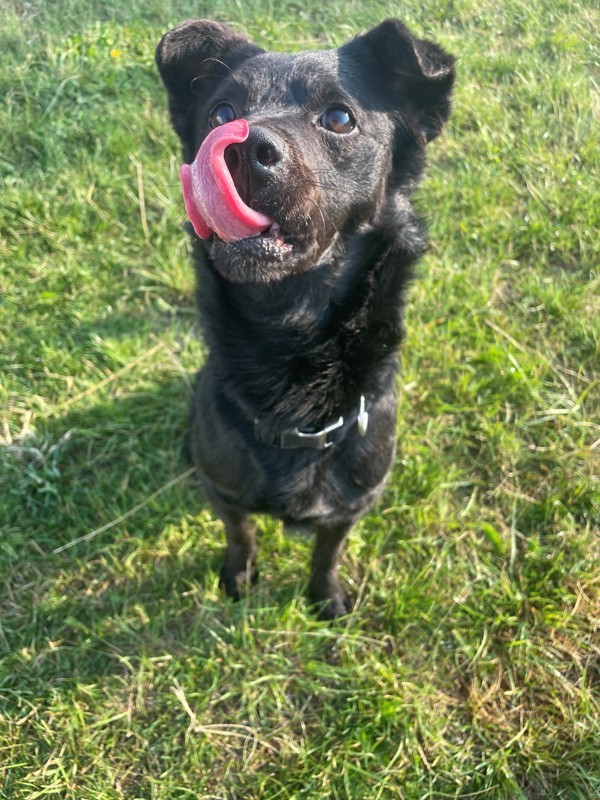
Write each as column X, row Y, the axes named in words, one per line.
column 211, row 200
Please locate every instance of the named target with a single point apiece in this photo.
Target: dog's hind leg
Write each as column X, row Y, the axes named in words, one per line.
column 239, row 568
column 324, row 588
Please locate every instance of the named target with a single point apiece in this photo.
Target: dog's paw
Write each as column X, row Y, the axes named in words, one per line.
column 331, row 607
column 234, row 581
column 335, row 607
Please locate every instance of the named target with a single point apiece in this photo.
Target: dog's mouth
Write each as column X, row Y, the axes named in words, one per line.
column 247, row 245
column 271, row 245
column 272, row 237
column 213, row 202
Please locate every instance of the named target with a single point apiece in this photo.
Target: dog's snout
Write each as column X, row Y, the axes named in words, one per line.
column 254, row 163
column 267, row 155
column 261, row 153
column 267, row 150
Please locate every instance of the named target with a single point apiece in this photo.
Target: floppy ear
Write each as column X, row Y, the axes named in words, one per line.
column 188, row 56
column 417, row 69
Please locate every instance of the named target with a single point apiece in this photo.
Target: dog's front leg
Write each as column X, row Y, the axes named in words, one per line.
column 239, row 568
column 324, row 588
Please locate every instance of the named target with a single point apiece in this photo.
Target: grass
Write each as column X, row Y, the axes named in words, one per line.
column 469, row 668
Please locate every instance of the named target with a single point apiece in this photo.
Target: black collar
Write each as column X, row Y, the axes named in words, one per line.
column 333, row 433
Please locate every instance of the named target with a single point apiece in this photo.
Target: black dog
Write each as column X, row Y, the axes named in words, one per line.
column 295, row 409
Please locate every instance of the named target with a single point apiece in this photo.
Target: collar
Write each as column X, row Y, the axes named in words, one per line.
column 334, row 432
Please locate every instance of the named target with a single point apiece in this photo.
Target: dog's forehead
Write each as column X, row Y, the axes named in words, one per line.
column 273, row 78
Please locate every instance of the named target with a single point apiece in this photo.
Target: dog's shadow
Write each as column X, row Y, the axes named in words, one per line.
column 111, row 544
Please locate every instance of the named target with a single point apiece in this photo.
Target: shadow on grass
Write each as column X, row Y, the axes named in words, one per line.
column 138, row 587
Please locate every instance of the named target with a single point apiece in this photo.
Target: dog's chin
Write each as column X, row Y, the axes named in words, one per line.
column 266, row 258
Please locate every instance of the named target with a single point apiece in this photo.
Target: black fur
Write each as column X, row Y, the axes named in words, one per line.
column 298, row 329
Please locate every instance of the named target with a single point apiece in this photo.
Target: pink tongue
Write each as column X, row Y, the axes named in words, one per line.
column 211, row 199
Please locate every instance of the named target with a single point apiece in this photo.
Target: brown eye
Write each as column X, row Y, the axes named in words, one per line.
column 221, row 115
column 337, row 120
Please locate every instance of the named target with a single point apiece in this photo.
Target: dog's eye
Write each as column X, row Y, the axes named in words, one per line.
column 221, row 115
column 337, row 120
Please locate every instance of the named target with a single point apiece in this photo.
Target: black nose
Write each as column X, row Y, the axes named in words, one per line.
column 264, row 148
column 257, row 160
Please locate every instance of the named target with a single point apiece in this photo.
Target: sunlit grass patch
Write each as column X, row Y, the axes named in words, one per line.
column 469, row 667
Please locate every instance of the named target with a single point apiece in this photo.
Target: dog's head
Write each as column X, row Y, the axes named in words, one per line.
column 334, row 136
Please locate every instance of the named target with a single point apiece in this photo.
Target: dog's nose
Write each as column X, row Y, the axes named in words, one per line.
column 255, row 160
column 265, row 149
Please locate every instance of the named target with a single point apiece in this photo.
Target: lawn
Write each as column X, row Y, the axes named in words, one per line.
column 469, row 667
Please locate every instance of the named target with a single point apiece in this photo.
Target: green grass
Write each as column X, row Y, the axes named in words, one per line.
column 470, row 666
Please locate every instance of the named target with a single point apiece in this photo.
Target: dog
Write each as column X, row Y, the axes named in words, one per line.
column 302, row 268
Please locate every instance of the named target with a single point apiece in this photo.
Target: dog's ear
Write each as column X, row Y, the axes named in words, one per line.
column 192, row 54
column 416, row 69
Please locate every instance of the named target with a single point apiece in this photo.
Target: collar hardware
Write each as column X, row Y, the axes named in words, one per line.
column 318, row 440
column 363, row 417
column 315, row 440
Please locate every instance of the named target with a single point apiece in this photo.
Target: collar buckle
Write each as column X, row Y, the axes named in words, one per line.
column 314, row 440
column 317, row 440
